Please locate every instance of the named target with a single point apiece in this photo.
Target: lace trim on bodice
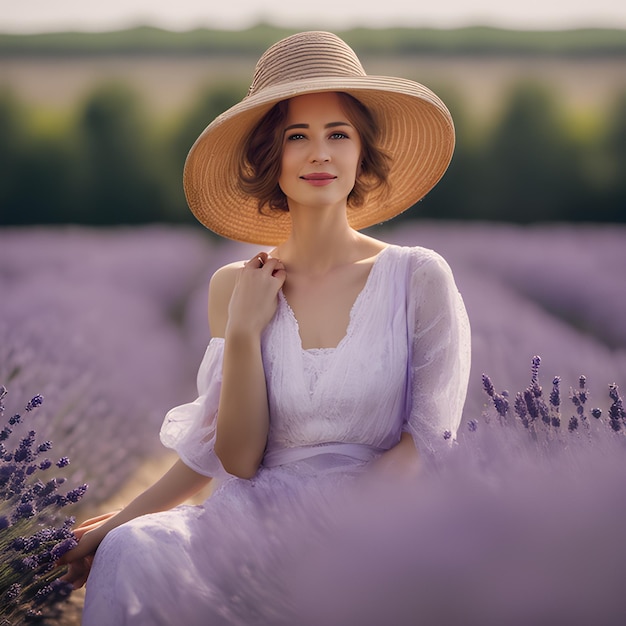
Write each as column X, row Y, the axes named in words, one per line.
column 358, row 305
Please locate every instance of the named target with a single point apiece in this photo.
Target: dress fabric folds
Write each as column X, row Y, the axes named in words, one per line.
column 403, row 366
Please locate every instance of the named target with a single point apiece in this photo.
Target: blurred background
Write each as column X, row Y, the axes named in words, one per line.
column 95, row 124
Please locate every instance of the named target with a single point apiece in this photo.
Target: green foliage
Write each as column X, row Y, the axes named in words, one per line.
column 530, row 161
column 467, row 40
column 113, row 164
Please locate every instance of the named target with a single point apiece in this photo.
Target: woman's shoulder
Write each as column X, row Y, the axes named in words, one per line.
column 220, row 290
column 417, row 257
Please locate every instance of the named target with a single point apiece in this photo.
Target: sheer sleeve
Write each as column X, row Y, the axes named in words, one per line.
column 439, row 352
column 189, row 429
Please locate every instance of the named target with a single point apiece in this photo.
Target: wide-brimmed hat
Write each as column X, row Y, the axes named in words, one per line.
column 416, row 131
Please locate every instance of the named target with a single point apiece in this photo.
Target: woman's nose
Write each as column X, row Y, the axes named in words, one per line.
column 319, row 152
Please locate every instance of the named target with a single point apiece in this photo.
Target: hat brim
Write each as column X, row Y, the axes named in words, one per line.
column 416, row 131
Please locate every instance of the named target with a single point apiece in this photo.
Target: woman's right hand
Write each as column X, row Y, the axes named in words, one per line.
column 254, row 298
column 80, row 558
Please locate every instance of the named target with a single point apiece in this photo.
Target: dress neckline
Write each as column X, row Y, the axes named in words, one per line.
column 353, row 310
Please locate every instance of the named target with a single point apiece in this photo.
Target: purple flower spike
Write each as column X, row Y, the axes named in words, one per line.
column 555, row 394
column 14, row 591
column 446, row 435
column 597, row 413
column 63, row 462
column 34, row 403
column 472, row 426
column 77, row 493
column 488, row 386
column 62, row 547
column 501, row 404
column 535, row 368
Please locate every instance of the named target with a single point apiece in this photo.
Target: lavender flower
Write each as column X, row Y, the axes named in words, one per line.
column 521, row 409
column 488, row 386
column 31, row 542
column 616, row 410
column 555, row 394
column 500, row 401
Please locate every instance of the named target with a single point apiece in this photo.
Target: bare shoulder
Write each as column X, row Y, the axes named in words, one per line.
column 220, row 290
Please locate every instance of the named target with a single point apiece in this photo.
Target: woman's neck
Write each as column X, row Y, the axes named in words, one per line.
column 322, row 246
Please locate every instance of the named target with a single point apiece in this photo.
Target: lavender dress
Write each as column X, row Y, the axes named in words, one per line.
column 403, row 366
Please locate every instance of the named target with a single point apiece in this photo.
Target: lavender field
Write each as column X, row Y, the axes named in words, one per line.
column 110, row 326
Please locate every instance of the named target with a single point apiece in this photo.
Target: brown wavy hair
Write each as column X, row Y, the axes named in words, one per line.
column 259, row 169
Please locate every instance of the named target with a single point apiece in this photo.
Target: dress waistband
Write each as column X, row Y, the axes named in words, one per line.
column 356, row 451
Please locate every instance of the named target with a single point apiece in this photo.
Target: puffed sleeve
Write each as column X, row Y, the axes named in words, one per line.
column 439, row 352
column 189, row 429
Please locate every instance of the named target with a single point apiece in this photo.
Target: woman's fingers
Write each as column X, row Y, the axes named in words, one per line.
column 92, row 523
column 263, row 261
column 78, row 572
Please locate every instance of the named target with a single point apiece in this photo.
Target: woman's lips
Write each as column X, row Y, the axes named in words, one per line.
column 318, row 179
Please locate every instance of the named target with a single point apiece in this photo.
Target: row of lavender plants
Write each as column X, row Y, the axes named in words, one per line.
column 520, row 523
column 34, row 530
column 110, row 326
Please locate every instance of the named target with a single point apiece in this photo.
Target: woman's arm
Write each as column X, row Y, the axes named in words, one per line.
column 242, row 301
column 176, row 486
column 401, row 461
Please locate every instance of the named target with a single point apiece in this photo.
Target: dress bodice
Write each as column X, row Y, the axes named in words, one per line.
column 352, row 393
column 403, row 366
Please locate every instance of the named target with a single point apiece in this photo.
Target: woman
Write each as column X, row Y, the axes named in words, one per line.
column 334, row 356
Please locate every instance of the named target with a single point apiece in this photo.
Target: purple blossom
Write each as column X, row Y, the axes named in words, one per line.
column 24, row 510
column 447, row 435
column 501, row 404
column 472, row 426
column 62, row 547
column 536, row 362
column 34, row 403
column 13, row 591
column 531, row 406
column 74, row 495
column 521, row 409
column 488, row 386
column 63, row 462
column 555, row 394
column 32, row 505
column 44, row 447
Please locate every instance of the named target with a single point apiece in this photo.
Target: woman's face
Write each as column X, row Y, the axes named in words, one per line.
column 321, row 151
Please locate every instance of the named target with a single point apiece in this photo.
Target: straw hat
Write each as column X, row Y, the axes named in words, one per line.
column 416, row 131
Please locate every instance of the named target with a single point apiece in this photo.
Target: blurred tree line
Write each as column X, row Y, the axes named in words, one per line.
column 109, row 162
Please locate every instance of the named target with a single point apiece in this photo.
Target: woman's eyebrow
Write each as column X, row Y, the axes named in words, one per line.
column 329, row 125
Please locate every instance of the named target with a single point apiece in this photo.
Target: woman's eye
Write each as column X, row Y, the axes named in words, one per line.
column 339, row 136
column 295, row 137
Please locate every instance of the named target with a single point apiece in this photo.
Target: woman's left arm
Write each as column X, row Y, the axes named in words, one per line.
column 439, row 363
column 439, row 354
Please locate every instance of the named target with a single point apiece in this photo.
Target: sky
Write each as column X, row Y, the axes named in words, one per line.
column 61, row 15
